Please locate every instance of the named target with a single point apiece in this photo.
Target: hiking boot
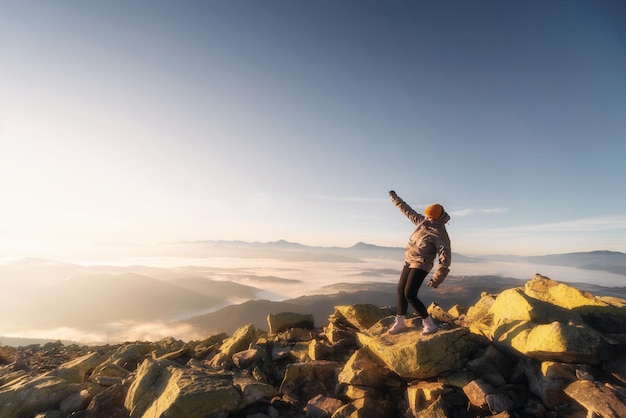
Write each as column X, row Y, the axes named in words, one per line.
column 429, row 326
column 397, row 327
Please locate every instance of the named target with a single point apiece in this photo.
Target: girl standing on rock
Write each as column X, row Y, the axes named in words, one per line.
column 429, row 240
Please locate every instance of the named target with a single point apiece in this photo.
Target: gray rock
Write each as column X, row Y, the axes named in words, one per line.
column 283, row 321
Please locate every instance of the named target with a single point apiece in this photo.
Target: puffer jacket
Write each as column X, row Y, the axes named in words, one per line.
column 429, row 240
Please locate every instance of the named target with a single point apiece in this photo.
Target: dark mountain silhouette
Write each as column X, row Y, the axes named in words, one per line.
column 464, row 291
column 611, row 261
column 218, row 290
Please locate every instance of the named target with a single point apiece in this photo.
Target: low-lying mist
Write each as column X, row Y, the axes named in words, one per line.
column 150, row 298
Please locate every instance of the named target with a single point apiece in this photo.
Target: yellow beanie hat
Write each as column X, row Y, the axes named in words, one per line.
column 434, row 211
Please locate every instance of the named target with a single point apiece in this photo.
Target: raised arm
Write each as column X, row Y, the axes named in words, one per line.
column 408, row 211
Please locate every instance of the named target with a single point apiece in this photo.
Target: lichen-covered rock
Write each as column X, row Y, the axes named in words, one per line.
column 239, row 341
column 366, row 408
column 363, row 369
column 415, row 356
column 439, row 314
column 548, row 379
column 208, row 346
column 109, row 403
column 476, row 392
column 360, row 316
column 322, row 406
column 437, row 409
column 76, row 401
column 253, row 390
column 77, row 370
column 607, row 314
column 479, row 318
column 299, row 375
column 569, row 343
column 495, row 366
column 423, row 394
column 250, row 358
column 319, row 350
column 27, row 397
column 354, row 392
column 514, row 305
column 283, row 321
column 109, row 374
column 163, row 388
column 338, row 333
column 599, row 400
column 127, row 356
column 540, row 360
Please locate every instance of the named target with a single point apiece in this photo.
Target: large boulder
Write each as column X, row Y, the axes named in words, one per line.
column 27, row 397
column 479, row 317
column 339, row 333
column 163, row 388
column 495, row 366
column 322, row 406
column 607, row 314
column 239, row 341
column 252, row 390
column 548, row 379
column 423, row 394
column 283, row 321
column 569, row 343
column 599, row 400
column 127, row 356
column 360, row 316
column 366, row 408
column 363, row 370
column 303, row 378
column 415, row 356
column 109, row 403
column 537, row 328
column 79, row 369
column 513, row 305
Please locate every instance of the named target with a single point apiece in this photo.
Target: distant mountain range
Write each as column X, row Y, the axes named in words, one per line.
column 610, row 261
column 463, row 291
column 39, row 295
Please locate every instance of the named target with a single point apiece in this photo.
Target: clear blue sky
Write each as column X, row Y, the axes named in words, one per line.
column 266, row 120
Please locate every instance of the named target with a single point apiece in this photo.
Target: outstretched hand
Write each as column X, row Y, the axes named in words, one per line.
column 392, row 193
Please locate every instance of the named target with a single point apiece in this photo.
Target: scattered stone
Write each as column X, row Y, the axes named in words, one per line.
column 423, row 394
column 240, row 340
column 321, row 406
column 598, row 399
column 544, row 350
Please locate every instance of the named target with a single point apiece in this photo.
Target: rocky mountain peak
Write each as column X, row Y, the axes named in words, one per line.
column 545, row 349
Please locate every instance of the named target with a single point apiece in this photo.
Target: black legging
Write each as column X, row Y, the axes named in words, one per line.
column 410, row 281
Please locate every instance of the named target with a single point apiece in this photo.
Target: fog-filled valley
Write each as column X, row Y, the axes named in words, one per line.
column 188, row 290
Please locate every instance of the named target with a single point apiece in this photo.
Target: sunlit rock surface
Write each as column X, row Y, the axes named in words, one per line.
column 541, row 350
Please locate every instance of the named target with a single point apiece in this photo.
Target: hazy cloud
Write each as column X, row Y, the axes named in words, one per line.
column 114, row 332
column 589, row 234
column 604, row 223
column 351, row 199
column 470, row 211
column 494, row 210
